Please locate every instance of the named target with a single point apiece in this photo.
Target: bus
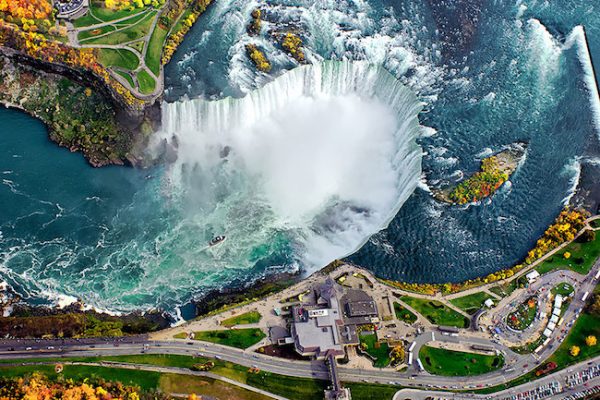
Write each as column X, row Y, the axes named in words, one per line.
column 585, row 296
column 420, row 364
column 483, row 347
column 410, row 358
column 412, row 346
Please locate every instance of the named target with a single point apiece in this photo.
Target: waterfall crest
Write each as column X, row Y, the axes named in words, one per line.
column 323, row 156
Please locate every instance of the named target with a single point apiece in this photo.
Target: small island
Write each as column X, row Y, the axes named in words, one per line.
column 495, row 171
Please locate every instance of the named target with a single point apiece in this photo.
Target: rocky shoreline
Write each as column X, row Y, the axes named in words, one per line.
column 78, row 110
column 23, row 320
column 75, row 321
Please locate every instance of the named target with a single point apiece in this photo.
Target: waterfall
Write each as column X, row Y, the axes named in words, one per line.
column 324, row 155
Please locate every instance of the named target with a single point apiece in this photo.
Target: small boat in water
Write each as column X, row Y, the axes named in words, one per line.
column 216, row 240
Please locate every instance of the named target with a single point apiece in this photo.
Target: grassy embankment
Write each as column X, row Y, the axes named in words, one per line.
column 155, row 48
column 251, row 317
column 582, row 257
column 132, row 29
column 505, row 289
column 240, row 338
column 303, row 388
column 471, row 303
column 436, row 312
column 457, row 363
column 146, row 82
column 404, row 314
column 119, row 58
column 380, row 351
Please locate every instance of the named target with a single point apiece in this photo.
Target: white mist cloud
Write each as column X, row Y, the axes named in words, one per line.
column 314, row 150
column 324, row 154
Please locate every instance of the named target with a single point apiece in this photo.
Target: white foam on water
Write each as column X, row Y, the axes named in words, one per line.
column 544, row 51
column 331, row 29
column 578, row 37
column 325, row 152
column 572, row 168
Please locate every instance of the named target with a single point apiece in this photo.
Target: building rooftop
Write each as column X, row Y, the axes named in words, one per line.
column 328, row 322
column 361, row 309
column 318, row 334
column 68, row 8
column 532, row 275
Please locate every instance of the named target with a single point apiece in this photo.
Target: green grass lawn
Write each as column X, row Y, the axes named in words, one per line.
column 139, row 46
column 381, row 354
column 366, row 391
column 146, row 82
column 581, row 261
column 457, row 363
column 133, row 32
column 143, row 379
column 87, row 20
column 83, row 35
column 251, row 317
column 595, row 223
column 585, row 325
column 131, row 21
column 209, row 387
column 563, row 288
column 436, row 312
column 404, row 314
column 127, row 77
column 105, row 14
column 240, row 338
column 472, row 302
column 155, row 48
column 504, row 289
column 118, row 58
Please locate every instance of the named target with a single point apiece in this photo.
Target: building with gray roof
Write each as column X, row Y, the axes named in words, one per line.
column 329, row 323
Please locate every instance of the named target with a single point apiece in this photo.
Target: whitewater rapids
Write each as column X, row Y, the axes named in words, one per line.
column 319, row 159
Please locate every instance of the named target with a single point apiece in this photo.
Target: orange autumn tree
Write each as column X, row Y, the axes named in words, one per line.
column 28, row 9
column 38, row 386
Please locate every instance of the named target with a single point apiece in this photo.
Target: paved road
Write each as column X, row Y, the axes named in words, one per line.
column 292, row 368
column 559, row 376
column 540, row 288
column 516, row 364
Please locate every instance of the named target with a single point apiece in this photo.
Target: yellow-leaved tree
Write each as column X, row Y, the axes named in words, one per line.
column 591, row 340
column 574, row 351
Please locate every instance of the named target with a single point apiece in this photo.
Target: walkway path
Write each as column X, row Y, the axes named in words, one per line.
column 73, row 37
column 540, row 288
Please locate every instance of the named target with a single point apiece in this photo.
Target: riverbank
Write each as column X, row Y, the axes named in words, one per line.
column 568, row 226
column 76, row 321
column 76, row 111
column 83, row 94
